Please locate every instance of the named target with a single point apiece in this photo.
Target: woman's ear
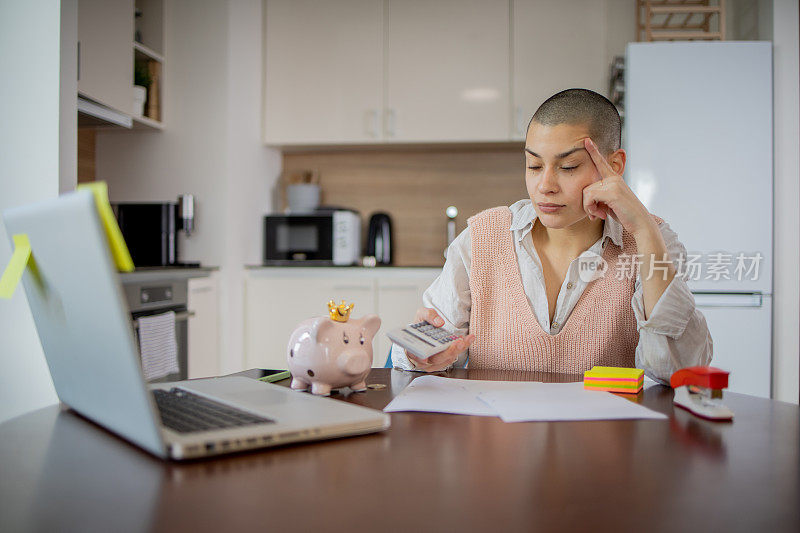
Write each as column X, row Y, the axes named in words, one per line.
column 617, row 161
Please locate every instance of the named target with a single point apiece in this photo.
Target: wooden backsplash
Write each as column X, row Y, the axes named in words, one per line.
column 86, row 155
column 415, row 187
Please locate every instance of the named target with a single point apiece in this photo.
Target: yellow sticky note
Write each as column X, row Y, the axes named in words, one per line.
column 119, row 250
column 13, row 272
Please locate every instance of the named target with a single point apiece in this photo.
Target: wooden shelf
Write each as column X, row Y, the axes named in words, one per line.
column 145, row 124
column 684, row 35
column 683, row 8
column 147, row 52
column 684, row 20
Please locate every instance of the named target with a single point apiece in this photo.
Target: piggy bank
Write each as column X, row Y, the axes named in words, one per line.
column 327, row 353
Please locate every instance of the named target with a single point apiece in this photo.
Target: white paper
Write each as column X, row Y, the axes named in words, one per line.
column 515, row 401
column 435, row 394
column 562, row 401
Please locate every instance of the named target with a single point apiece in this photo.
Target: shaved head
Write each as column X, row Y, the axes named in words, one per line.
column 583, row 107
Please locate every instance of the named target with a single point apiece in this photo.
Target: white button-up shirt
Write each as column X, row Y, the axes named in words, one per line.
column 674, row 336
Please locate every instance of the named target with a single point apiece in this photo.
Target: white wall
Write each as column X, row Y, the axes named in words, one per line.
column 786, row 284
column 251, row 167
column 29, row 171
column 68, row 120
column 210, row 146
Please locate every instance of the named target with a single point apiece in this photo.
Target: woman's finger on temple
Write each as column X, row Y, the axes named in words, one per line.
column 602, row 164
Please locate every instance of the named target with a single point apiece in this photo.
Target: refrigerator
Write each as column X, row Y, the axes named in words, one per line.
column 698, row 134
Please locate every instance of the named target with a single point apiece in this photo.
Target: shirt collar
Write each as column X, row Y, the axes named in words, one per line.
column 523, row 214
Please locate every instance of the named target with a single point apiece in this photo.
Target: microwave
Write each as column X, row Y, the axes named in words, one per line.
column 319, row 238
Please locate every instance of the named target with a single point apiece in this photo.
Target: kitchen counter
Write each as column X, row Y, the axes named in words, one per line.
column 353, row 268
column 342, row 271
column 165, row 273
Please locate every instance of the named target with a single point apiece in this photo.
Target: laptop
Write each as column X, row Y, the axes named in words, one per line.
column 78, row 305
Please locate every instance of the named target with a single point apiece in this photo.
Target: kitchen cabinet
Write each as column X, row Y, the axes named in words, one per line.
column 447, row 70
column 397, row 300
column 105, row 67
column 324, row 62
column 277, row 299
column 108, row 55
column 546, row 62
column 348, row 72
column 203, row 338
column 411, row 71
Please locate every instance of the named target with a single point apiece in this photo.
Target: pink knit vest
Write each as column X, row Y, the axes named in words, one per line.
column 601, row 330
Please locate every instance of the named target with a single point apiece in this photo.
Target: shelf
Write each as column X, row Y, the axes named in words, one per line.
column 144, row 124
column 656, row 35
column 147, row 52
column 92, row 114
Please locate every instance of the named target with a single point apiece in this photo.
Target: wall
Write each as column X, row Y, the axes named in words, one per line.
column 190, row 155
column 68, row 116
column 252, row 170
column 786, row 284
column 210, row 146
column 415, row 187
column 29, row 171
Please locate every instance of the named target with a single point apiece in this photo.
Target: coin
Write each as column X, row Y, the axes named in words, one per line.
column 376, row 386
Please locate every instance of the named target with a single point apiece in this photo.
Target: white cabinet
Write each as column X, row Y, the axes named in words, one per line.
column 366, row 71
column 557, row 45
column 105, row 57
column 277, row 299
column 324, row 68
column 345, row 71
column 203, row 345
column 447, row 70
column 398, row 298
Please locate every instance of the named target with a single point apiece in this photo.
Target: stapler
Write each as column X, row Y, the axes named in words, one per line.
column 698, row 389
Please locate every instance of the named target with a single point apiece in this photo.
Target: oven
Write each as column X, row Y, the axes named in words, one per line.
column 155, row 297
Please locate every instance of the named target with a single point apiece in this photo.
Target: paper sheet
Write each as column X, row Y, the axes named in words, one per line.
column 16, row 266
column 436, row 394
column 22, row 247
column 562, row 401
column 119, row 250
column 515, row 401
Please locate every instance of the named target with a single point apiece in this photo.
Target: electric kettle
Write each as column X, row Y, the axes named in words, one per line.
column 379, row 239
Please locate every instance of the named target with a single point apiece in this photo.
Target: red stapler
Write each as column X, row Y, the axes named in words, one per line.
column 698, row 389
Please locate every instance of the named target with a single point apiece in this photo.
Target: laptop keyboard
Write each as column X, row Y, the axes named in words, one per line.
column 185, row 412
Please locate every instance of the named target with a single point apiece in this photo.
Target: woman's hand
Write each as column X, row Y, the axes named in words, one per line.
column 445, row 358
column 611, row 196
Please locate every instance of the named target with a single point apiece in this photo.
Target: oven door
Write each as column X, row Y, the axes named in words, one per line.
column 293, row 239
column 182, row 316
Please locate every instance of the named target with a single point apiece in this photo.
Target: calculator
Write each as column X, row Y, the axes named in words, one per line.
column 423, row 339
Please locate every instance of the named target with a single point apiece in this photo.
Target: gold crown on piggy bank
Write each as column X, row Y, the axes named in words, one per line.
column 341, row 312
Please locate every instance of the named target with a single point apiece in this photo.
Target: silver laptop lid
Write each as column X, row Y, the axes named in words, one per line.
column 76, row 298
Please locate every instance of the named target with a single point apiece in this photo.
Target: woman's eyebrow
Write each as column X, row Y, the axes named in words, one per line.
column 559, row 156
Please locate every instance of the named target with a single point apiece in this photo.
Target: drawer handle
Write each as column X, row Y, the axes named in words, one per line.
column 727, row 300
column 198, row 290
column 352, row 288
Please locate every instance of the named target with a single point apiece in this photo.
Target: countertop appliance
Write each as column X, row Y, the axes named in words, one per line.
column 151, row 230
column 320, row 238
column 699, row 140
column 380, row 243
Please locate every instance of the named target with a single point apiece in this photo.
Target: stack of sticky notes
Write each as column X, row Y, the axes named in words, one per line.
column 614, row 379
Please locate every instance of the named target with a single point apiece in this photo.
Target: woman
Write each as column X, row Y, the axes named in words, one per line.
column 580, row 274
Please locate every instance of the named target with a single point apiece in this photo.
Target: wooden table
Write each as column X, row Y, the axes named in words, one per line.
column 429, row 472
